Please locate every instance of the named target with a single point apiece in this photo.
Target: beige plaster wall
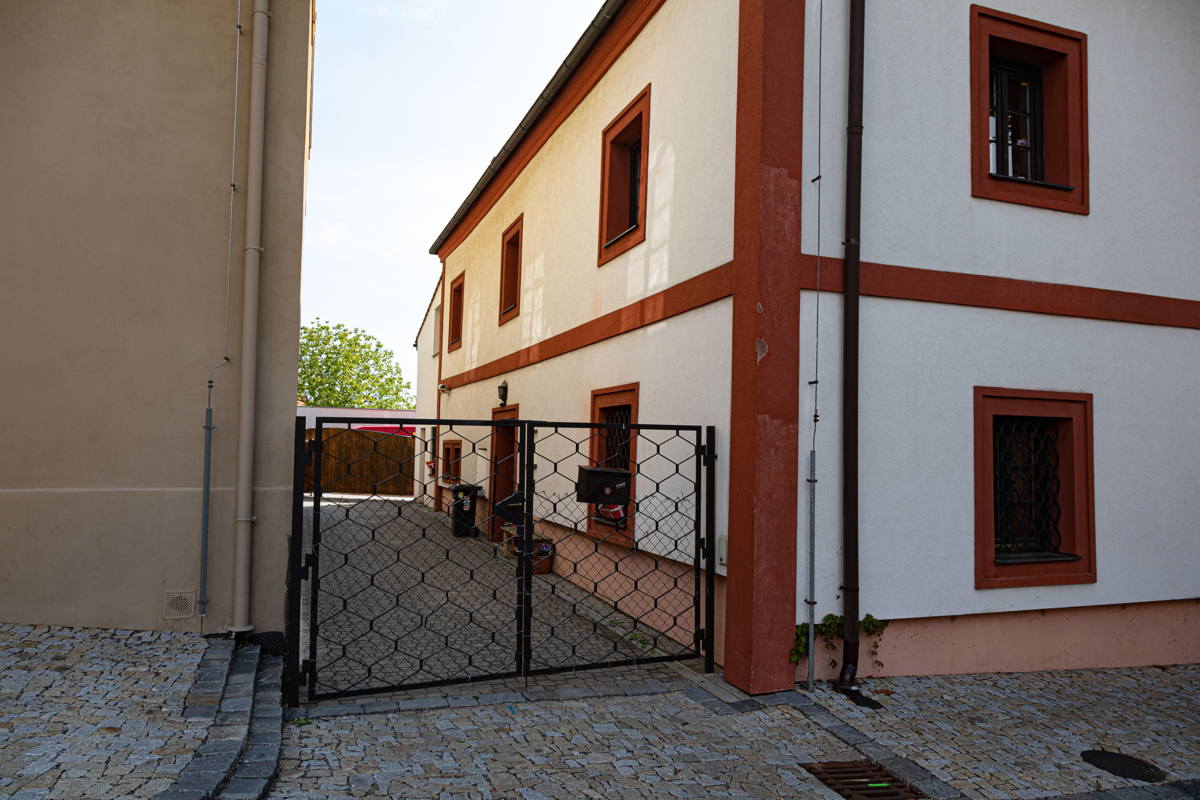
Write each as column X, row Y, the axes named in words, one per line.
column 114, row 163
column 688, row 54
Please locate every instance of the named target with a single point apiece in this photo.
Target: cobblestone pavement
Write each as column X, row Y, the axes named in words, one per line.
column 402, row 600
column 95, row 714
column 1019, row 735
column 663, row 745
column 665, row 731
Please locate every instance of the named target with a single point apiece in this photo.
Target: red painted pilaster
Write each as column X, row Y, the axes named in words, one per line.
column 761, row 601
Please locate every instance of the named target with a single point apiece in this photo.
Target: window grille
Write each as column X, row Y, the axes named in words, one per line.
column 1027, row 496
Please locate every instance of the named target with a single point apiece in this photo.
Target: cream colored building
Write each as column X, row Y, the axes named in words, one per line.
column 989, row 292
column 122, row 272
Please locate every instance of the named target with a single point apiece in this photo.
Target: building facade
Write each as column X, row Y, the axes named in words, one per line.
column 671, row 225
column 125, row 253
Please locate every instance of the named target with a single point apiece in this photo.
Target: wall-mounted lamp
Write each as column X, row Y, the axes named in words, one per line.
column 502, row 391
column 443, row 388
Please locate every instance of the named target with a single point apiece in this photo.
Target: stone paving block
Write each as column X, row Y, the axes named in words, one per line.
column 218, row 746
column 260, row 753
column 244, row 789
column 256, row 769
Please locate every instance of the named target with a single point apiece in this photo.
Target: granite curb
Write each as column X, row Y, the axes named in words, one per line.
column 259, row 761
column 228, row 714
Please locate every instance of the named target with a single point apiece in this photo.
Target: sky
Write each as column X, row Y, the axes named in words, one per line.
column 411, row 100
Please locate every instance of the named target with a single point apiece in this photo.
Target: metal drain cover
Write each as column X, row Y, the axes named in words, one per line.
column 1123, row 766
column 861, row 780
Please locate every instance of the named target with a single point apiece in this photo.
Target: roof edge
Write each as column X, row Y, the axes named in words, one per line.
column 599, row 24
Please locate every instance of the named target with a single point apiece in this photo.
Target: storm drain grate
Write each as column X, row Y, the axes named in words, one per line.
column 861, row 780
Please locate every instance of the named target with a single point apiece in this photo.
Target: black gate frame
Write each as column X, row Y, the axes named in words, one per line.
column 304, row 565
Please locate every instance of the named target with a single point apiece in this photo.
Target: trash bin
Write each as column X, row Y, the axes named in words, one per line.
column 462, row 509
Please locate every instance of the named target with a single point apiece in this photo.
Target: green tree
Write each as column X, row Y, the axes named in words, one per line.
column 342, row 367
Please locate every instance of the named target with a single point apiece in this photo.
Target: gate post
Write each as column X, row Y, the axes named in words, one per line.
column 525, row 555
column 710, row 544
column 314, row 580
column 291, row 664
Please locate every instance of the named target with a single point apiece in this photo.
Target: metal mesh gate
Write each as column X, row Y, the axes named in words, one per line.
column 505, row 558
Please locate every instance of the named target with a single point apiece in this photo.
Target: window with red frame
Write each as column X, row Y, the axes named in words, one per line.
column 616, row 448
column 1034, row 520
column 454, row 335
column 623, row 174
column 1028, row 112
column 510, row 271
column 452, row 460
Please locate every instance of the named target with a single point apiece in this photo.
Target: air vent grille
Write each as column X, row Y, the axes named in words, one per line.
column 179, row 605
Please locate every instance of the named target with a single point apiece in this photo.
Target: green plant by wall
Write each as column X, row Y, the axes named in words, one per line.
column 829, row 629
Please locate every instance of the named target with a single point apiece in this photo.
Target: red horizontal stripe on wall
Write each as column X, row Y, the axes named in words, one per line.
column 701, row 290
column 1008, row 294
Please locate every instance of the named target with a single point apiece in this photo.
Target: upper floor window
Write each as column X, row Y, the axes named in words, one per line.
column 1015, row 121
column 454, row 335
column 437, row 330
column 623, row 176
column 510, row 271
column 1028, row 112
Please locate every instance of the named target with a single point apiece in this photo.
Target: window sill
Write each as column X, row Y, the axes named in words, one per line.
column 510, row 313
column 619, row 236
column 623, row 241
column 1035, row 558
column 1032, row 182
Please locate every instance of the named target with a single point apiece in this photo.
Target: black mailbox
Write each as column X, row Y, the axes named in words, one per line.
column 605, row 485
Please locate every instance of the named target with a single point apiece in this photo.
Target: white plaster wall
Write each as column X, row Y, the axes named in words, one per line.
column 688, row 54
column 920, row 362
column 1144, row 112
column 682, row 365
column 426, row 380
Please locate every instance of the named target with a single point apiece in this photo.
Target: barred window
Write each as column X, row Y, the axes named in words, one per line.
column 1034, row 504
column 1027, row 487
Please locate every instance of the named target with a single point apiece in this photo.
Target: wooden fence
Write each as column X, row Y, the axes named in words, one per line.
column 363, row 462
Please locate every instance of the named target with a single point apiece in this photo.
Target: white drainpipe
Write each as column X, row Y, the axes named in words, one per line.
column 244, row 536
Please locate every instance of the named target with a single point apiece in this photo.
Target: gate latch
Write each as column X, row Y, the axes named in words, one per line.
column 511, row 509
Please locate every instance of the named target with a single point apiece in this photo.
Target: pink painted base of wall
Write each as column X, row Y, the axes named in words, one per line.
column 614, row 573
column 1126, row 635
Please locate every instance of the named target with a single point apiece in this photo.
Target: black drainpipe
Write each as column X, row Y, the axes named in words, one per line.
column 854, row 131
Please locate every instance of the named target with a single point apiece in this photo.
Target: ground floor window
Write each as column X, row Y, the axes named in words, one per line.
column 1034, row 519
column 615, row 448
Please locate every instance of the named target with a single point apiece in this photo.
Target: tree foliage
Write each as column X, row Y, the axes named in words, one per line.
column 344, row 367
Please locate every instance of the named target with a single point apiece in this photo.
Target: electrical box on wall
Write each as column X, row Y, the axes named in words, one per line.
column 722, row 550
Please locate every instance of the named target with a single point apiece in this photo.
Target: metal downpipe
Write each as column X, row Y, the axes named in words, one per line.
column 854, row 132
column 244, row 530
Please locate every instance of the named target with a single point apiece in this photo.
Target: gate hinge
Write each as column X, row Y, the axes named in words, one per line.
column 309, row 566
column 308, row 668
column 699, row 637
